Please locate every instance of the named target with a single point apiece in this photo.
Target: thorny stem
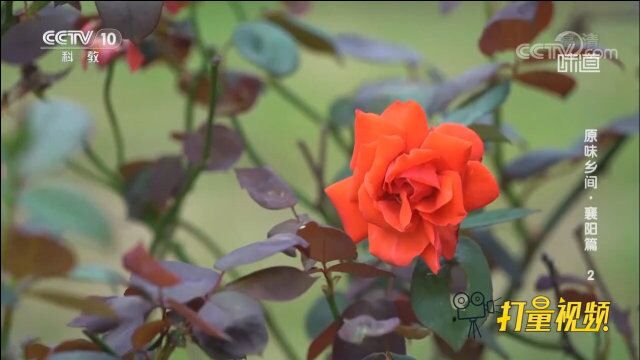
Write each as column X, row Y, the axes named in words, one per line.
column 329, row 292
column 111, row 114
column 566, row 341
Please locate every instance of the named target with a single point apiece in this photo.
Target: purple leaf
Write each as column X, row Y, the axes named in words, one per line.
column 290, row 226
column 22, row 43
column 266, row 188
column 375, row 50
column 357, row 329
column 241, row 318
column 134, row 19
column 226, row 147
column 131, row 312
column 278, row 283
column 378, row 309
column 259, row 250
column 195, row 282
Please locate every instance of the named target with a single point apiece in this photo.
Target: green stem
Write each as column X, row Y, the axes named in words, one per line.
column 312, row 114
column 195, row 81
column 329, row 293
column 111, row 114
column 166, row 224
column 100, row 165
column 7, row 323
column 89, row 174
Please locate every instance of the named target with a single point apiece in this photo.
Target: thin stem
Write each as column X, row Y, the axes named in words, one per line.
column 99, row 164
column 7, row 323
column 89, row 174
column 311, row 113
column 329, row 293
column 98, row 341
column 111, row 114
column 566, row 341
column 165, row 226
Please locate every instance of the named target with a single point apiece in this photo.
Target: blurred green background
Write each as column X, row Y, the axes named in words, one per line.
column 149, row 106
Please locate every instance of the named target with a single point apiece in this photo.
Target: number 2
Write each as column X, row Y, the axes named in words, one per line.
column 590, row 274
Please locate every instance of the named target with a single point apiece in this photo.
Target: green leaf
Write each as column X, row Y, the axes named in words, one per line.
column 60, row 209
column 56, row 129
column 267, row 46
column 97, row 274
column 492, row 217
column 431, row 298
column 480, row 106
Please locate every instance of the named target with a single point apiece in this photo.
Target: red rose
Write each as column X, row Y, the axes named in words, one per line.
column 411, row 186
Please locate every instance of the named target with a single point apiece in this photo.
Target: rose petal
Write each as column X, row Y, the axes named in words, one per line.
column 352, row 220
column 398, row 215
column 479, row 187
column 431, row 258
column 388, row 148
column 397, row 248
column 411, row 118
column 369, row 127
column 463, row 132
column 405, row 162
column 453, row 150
column 448, row 238
column 453, row 212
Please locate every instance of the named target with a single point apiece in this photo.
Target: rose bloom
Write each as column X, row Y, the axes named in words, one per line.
column 411, row 185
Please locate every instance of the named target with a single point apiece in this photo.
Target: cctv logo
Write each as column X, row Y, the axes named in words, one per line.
column 78, row 39
column 67, row 37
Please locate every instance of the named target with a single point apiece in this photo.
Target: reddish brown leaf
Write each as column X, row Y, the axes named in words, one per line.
column 195, row 320
column 359, row 269
column 322, row 341
column 141, row 263
column 76, row 344
column 238, row 91
column 147, row 332
column 327, row 243
column 554, row 82
column 37, row 255
column 278, row 283
column 36, row 351
column 514, row 24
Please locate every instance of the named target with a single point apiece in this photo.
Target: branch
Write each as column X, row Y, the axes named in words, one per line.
column 111, row 115
column 566, row 341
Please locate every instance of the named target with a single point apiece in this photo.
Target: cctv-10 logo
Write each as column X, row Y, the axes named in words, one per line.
column 78, row 39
